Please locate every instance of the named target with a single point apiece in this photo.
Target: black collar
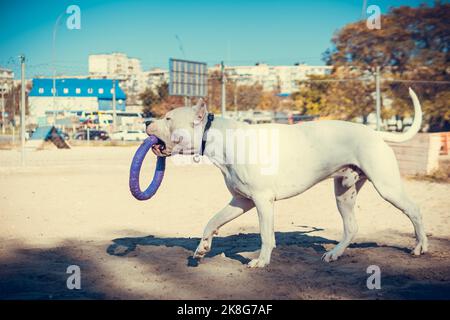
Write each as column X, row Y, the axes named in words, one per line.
column 205, row 133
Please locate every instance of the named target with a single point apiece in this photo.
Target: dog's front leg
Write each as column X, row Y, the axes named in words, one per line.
column 265, row 207
column 237, row 206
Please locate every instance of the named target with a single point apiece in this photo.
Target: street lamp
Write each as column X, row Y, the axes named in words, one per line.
column 55, row 28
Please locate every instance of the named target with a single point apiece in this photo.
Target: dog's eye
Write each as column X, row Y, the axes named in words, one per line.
column 168, row 118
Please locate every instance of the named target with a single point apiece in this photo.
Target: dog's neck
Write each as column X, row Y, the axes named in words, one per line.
column 206, row 127
column 217, row 155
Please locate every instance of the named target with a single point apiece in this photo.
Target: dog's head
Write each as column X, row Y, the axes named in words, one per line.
column 179, row 131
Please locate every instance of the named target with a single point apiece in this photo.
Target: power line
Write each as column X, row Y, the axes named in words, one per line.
column 370, row 80
column 418, row 81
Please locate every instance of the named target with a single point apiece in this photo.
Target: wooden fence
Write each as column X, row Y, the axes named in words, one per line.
column 420, row 155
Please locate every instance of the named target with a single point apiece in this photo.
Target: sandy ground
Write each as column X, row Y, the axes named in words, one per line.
column 73, row 207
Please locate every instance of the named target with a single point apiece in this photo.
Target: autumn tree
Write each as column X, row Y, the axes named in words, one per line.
column 312, row 96
column 12, row 100
column 412, row 44
column 238, row 97
column 158, row 102
column 269, row 101
column 149, row 100
column 249, row 96
column 214, row 91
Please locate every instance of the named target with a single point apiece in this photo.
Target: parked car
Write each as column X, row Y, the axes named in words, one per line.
column 256, row 117
column 93, row 135
column 292, row 117
column 129, row 135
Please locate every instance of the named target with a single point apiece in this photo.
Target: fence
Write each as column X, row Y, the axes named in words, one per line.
column 420, row 155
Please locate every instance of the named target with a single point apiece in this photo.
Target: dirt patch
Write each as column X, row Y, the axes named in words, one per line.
column 73, row 207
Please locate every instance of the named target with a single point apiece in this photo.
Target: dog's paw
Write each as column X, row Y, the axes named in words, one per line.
column 421, row 248
column 257, row 263
column 202, row 249
column 199, row 254
column 330, row 256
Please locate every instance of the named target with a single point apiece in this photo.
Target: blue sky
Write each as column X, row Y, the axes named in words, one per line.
column 239, row 32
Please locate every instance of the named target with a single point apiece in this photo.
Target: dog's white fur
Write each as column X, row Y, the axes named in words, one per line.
column 308, row 153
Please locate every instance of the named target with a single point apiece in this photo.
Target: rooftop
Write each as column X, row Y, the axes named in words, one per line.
column 73, row 87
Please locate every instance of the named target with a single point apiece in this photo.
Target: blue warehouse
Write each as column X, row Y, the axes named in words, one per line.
column 73, row 95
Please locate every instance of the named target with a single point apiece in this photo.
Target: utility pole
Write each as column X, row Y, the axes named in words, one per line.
column 3, row 88
column 22, row 109
column 223, row 89
column 114, row 105
column 378, row 98
column 13, row 93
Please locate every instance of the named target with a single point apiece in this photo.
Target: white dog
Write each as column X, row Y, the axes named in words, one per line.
column 307, row 154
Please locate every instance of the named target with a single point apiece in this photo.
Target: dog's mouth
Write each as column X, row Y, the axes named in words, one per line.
column 159, row 148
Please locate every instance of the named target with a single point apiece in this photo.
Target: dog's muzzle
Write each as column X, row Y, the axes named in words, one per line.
column 159, row 143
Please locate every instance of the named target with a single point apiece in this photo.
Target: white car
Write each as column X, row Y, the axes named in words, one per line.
column 129, row 135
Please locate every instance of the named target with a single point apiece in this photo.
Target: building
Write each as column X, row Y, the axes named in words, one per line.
column 283, row 79
column 114, row 65
column 155, row 77
column 6, row 75
column 73, row 95
column 119, row 66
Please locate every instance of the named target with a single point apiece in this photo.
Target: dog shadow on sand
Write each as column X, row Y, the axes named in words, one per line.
column 231, row 246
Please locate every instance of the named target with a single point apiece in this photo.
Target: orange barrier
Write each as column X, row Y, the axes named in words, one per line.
column 445, row 142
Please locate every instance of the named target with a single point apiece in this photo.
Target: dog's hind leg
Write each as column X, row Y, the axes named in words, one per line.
column 345, row 200
column 394, row 193
column 386, row 179
column 237, row 206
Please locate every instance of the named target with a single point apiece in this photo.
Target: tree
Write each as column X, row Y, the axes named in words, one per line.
column 149, row 100
column 311, row 97
column 158, row 103
column 249, row 96
column 214, row 91
column 246, row 96
column 412, row 44
column 13, row 100
column 269, row 101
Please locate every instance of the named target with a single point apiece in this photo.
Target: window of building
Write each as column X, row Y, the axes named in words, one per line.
column 77, row 90
column 41, row 90
column 100, row 90
column 90, row 90
column 66, row 91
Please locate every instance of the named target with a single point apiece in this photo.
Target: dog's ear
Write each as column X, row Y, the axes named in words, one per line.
column 200, row 111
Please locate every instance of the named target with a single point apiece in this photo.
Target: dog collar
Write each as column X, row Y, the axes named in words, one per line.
column 205, row 133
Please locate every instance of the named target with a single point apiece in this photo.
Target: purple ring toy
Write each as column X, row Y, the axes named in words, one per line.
column 135, row 170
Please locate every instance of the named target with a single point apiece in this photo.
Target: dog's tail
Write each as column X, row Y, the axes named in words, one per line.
column 415, row 127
